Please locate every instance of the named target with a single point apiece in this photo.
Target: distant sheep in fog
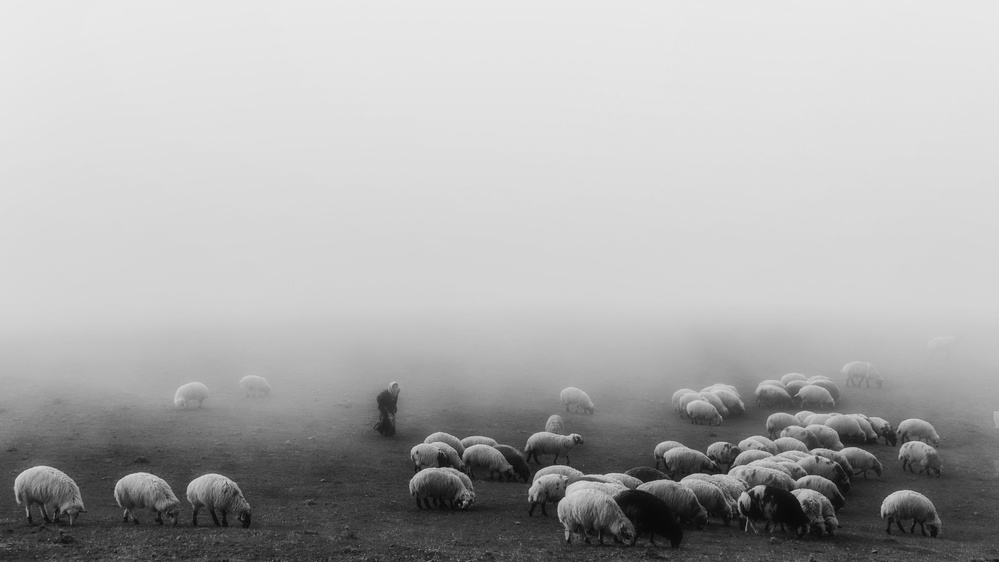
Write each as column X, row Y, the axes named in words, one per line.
column 255, row 386
column 941, row 345
column 715, row 401
column 857, row 372
column 793, row 377
column 778, row 421
column 883, row 428
column 191, row 395
column 555, row 424
column 770, row 396
column 814, row 395
column 700, row 411
column 731, row 400
column 572, row 396
column 545, row 443
column 917, row 430
column 681, row 409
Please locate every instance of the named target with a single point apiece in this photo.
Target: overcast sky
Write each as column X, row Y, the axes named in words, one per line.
column 177, row 161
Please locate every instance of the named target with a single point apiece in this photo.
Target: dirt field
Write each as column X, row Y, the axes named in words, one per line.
column 324, row 485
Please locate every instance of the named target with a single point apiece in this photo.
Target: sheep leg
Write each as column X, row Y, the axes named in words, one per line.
column 530, row 512
column 567, row 459
column 159, row 518
column 898, row 523
column 888, row 528
column 554, row 460
column 27, row 510
column 214, row 518
column 195, row 519
column 225, row 522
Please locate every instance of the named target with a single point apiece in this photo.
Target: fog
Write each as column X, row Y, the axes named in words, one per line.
column 539, row 184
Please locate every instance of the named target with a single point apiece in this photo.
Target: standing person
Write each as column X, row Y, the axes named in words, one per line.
column 388, row 401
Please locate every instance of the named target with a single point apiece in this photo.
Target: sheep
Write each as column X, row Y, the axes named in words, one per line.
column 676, row 399
column 772, row 382
column 731, row 486
column 426, row 455
column 720, row 386
column 818, row 419
column 702, row 411
column 216, row 492
column 687, row 399
column 610, row 488
column 831, row 387
column 629, row 481
column 680, row 499
column 870, row 434
column 814, row 395
column 192, row 394
column 827, row 436
column 593, row 511
column 442, row 437
column 824, row 486
column 711, row 498
column 917, row 452
column 464, row 480
column 548, row 488
column 661, row 449
column 572, row 396
column 51, row 490
column 884, row 429
column 757, row 475
column 787, row 467
column 778, row 421
column 560, row 469
column 917, row 429
column 837, row 457
column 682, row 461
column 802, row 416
column 801, row 434
column 555, row 424
column 941, row 345
column 820, row 512
column 793, row 387
column 255, row 386
column 790, row 444
column 747, row 457
column 862, row 461
column 906, row 504
column 143, row 490
column 489, row 458
column 651, row 515
column 731, row 400
column 773, row 506
column 646, row 474
column 793, row 456
column 712, row 399
column 814, row 378
column 770, row 396
column 792, row 377
column 820, row 466
column 848, row 428
column 762, row 443
column 477, row 440
column 723, row 453
column 857, row 372
column 442, row 486
column 516, row 460
column 546, row 443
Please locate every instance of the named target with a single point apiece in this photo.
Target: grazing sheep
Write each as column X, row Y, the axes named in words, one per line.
column 572, row 396
column 848, row 428
column 680, row 499
column 837, row 457
column 477, row 440
column 682, row 461
column 687, row 399
column 907, row 504
column 758, row 475
column 555, row 424
column 802, row 416
column 662, row 447
column 629, row 481
column 824, row 486
column 720, row 386
column 792, row 377
column 681, row 409
column 771, row 396
column 801, row 434
column 793, row 387
column 749, row 456
column 713, row 399
column 464, row 480
column 918, row 453
column 820, row 511
column 216, row 492
column 646, row 474
column 548, row 488
column 732, row 487
column 192, row 394
column 793, row 456
column 857, row 372
column 731, row 400
column 884, row 429
column 255, row 386
column 560, row 469
column 821, row 466
column 51, row 490
column 941, row 345
column 814, row 395
column 651, row 515
column 818, row 419
column 516, row 460
column 610, row 488
column 772, row 382
column 453, row 458
column 442, row 486
column 546, row 443
column 918, row 430
column 831, row 387
column 787, row 467
column 764, row 444
column 773, row 506
column 143, row 490
column 712, row 499
column 489, row 458
column 723, row 453
column 827, row 436
column 701, row 411
column 870, row 434
column 778, row 421
column 425, row 455
column 790, row 444
column 594, row 511
column 862, row 461
column 442, row 437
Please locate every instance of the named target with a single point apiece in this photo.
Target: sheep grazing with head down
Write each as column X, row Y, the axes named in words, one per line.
column 545, row 443
column 823, row 486
column 701, row 412
column 681, row 500
column 516, row 460
column 51, row 490
column 190, row 395
column 812, row 395
column 773, row 506
column 682, row 461
column 827, row 436
column 857, row 372
column 255, row 386
column 917, row 453
column 792, row 377
column 711, row 497
column 772, row 396
column 489, row 458
column 785, row 444
column 572, row 396
column 217, row 493
column 443, row 437
column 759, row 475
column 442, row 486
column 478, row 440
column 548, row 488
column 820, row 511
column 907, row 504
column 722, row 453
column 776, row 422
column 918, row 430
column 713, row 399
column 425, row 455
column 731, row 400
column 884, row 429
column 661, row 449
column 646, row 474
column 758, row 443
column 801, row 434
column 681, row 408
column 941, row 346
column 826, row 468
column 848, row 428
column 141, row 490
column 570, row 473
column 555, row 424
column 608, row 487
column 861, row 461
column 596, row 512
column 651, row 515
column 837, row 457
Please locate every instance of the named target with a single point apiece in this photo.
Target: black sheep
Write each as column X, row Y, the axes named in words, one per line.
column 649, row 514
column 516, row 460
column 646, row 474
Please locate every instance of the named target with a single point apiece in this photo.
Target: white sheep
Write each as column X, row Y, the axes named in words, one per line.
column 682, row 461
column 760, row 443
column 801, row 434
column 51, row 490
column 712, row 499
column 818, row 419
column 461, row 476
column 609, row 488
column 425, row 455
column 815, row 465
column 701, row 411
column 792, row 377
column 941, row 345
column 713, row 399
column 884, row 429
column 785, row 444
column 572, row 396
column 555, row 424
column 827, row 436
column 814, row 395
column 862, row 461
column 792, row 387
column 721, row 386
column 661, row 449
column 907, row 504
column 630, row 481
column 680, row 499
column 820, row 511
column 453, row 458
column 793, row 456
column 824, row 486
column 477, row 440
column 731, row 400
column 548, row 488
column 255, row 386
column 676, row 399
column 802, row 416
column 770, row 396
column 848, row 428
column 190, row 395
column 777, row 421
column 484, row 456
column 560, row 469
column 594, row 512
column 870, row 434
column 141, row 490
column 216, row 492
column 787, row 467
column 749, row 456
column 772, row 382
column 722, row 452
column 837, row 457
column 919, row 430
column 732, row 486
column 857, row 372
column 443, row 437
column 758, row 475
column 918, row 453
column 441, row 486
column 545, row 443
column 687, row 399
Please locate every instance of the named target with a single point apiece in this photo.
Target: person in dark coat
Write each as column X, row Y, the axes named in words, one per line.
column 388, row 405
